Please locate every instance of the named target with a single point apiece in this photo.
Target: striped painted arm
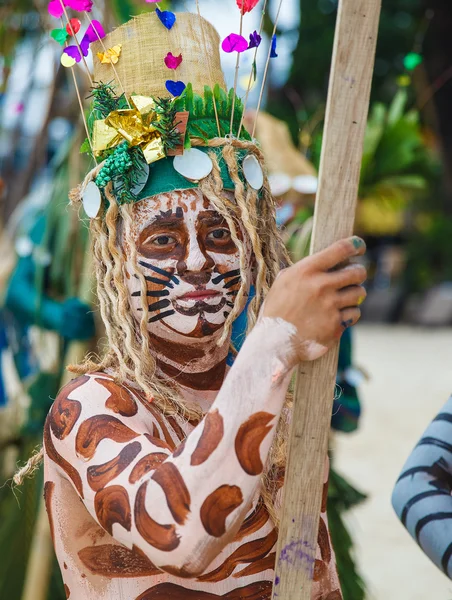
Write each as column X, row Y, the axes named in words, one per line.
column 422, row 495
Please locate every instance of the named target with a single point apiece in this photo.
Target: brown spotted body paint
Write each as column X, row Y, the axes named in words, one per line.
column 148, row 506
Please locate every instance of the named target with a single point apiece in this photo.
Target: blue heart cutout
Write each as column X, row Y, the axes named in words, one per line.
column 175, row 88
column 166, row 17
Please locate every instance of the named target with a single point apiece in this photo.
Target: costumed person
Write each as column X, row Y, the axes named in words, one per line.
column 422, row 496
column 164, row 468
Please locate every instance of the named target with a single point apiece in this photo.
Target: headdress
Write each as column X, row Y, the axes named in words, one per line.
column 161, row 115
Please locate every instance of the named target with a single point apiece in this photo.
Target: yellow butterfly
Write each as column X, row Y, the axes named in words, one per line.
column 111, row 56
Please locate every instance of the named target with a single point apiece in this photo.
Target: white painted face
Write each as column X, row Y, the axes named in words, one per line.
column 190, row 262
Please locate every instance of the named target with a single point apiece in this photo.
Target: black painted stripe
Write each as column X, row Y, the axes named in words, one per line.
column 232, row 282
column 159, row 271
column 159, row 305
column 446, row 557
column 443, row 417
column 160, row 281
column 416, row 499
column 220, row 277
column 162, row 315
column 413, row 471
column 432, row 441
column 154, row 294
column 439, row 516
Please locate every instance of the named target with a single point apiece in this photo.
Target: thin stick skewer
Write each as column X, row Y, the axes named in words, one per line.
column 112, row 65
column 237, row 65
column 79, row 98
column 210, row 72
column 264, row 79
column 250, row 80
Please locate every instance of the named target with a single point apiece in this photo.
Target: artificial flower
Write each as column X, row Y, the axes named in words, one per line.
column 94, row 32
column 172, row 62
column 111, row 56
column 59, row 35
column 255, row 40
column 55, row 7
column 246, row 5
column 273, row 49
column 73, row 26
column 175, row 88
column 234, row 43
column 167, row 17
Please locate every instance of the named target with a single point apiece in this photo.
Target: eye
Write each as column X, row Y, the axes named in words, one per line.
column 161, row 240
column 221, row 234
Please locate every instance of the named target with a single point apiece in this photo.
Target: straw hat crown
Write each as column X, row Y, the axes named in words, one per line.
column 145, row 43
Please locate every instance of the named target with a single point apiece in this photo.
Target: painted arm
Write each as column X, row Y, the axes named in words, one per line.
column 422, row 495
column 179, row 506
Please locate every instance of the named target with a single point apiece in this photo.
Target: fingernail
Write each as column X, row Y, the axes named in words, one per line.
column 357, row 242
column 361, row 300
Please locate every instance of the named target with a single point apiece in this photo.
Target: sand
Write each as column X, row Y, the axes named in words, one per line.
column 411, row 378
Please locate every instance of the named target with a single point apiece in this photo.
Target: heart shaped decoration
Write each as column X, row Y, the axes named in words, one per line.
column 166, row 17
column 175, row 88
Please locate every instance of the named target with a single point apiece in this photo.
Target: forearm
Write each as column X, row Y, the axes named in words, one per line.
column 225, row 455
column 422, row 495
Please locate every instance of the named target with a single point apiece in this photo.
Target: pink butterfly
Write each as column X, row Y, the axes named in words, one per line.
column 90, row 36
column 55, row 7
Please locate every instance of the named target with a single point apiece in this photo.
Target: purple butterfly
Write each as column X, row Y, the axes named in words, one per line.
column 93, row 33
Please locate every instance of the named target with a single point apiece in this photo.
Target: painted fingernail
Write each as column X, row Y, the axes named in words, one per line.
column 357, row 242
column 361, row 300
column 347, row 324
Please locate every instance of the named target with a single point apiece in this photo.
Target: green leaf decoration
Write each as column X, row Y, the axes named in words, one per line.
column 59, row 35
column 202, row 122
column 85, row 147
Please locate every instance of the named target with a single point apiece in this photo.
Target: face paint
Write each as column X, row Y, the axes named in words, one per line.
column 190, row 263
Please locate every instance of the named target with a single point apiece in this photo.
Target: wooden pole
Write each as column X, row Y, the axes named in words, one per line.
column 345, row 124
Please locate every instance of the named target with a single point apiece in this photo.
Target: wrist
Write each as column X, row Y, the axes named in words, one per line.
column 278, row 338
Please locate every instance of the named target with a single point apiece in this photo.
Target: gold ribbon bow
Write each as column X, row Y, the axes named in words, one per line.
column 133, row 125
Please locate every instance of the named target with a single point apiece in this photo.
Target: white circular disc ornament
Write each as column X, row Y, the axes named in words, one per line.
column 193, row 164
column 280, row 183
column 253, row 172
column 92, row 200
column 305, row 184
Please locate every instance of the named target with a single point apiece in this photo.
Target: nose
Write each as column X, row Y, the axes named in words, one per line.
column 196, row 267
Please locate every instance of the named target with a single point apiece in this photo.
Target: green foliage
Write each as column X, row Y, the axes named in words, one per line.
column 394, row 151
column 165, row 123
column 202, row 122
column 342, row 497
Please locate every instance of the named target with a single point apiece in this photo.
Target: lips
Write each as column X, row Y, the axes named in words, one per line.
column 199, row 295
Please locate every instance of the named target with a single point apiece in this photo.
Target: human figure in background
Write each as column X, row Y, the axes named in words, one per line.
column 422, row 496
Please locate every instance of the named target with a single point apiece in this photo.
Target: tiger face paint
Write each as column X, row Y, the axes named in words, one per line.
column 190, row 262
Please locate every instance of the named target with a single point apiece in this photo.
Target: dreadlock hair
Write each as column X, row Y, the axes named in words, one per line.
column 127, row 354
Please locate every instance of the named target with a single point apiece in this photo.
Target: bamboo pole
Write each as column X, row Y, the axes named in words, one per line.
column 345, row 124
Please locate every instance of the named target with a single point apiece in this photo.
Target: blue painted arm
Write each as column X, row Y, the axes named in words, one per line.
column 422, row 495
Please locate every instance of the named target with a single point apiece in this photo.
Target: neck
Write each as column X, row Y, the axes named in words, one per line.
column 197, row 365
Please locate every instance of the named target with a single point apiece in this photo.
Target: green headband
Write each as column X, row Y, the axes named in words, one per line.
column 163, row 177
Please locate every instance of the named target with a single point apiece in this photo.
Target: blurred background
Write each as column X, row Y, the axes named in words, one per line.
column 394, row 373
